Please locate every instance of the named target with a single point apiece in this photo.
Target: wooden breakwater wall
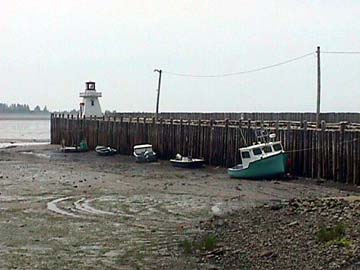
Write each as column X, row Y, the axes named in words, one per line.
column 331, row 117
column 332, row 151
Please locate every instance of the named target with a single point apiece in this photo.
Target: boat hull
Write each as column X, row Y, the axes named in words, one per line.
column 105, row 151
column 187, row 164
column 266, row 168
column 146, row 157
column 72, row 149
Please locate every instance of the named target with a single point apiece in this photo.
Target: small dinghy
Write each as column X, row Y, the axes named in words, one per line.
column 144, row 153
column 187, row 162
column 83, row 147
column 72, row 149
column 105, row 150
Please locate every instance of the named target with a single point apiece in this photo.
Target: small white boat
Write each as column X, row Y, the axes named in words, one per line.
column 105, row 150
column 82, row 147
column 72, row 149
column 144, row 153
column 187, row 162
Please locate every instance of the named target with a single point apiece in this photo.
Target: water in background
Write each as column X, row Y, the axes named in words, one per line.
column 23, row 131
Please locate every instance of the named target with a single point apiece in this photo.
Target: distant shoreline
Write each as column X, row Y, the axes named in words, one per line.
column 24, row 116
column 12, row 141
column 17, row 143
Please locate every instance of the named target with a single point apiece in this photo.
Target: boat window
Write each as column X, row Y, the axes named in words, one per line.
column 245, row 154
column 143, row 150
column 257, row 151
column 267, row 149
column 277, row 147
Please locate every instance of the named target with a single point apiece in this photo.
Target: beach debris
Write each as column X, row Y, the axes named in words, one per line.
column 293, row 223
column 216, row 210
column 266, row 253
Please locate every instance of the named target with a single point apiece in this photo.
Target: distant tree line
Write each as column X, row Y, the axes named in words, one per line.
column 22, row 108
column 71, row 112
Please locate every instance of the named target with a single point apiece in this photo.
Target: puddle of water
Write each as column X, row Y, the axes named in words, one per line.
column 53, row 207
column 90, row 247
column 114, row 253
column 40, row 155
column 9, row 145
column 4, row 198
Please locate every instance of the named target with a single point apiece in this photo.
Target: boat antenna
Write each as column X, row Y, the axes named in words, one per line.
column 261, row 135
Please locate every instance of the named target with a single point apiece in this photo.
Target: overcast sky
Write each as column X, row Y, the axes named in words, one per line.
column 50, row 48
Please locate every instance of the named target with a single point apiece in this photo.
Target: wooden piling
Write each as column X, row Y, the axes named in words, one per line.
column 329, row 152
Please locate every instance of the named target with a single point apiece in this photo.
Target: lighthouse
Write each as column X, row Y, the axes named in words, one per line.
column 90, row 105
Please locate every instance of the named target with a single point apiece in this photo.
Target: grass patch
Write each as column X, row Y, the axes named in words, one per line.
column 207, row 243
column 187, row 246
column 341, row 242
column 330, row 234
column 334, row 236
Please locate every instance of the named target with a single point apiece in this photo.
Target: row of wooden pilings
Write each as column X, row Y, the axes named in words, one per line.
column 330, row 117
column 330, row 152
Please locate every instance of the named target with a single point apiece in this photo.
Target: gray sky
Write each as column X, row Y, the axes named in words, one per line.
column 50, row 48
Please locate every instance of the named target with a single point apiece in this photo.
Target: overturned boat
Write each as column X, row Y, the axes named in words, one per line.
column 264, row 160
column 82, row 147
column 72, row 149
column 187, row 162
column 144, row 153
column 105, row 150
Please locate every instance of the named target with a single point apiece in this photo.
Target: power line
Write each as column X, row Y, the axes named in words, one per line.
column 339, row 52
column 321, row 147
column 240, row 72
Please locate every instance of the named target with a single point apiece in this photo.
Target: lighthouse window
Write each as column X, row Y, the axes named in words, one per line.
column 92, row 102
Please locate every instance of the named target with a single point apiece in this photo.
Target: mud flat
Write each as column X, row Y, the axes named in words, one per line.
column 82, row 211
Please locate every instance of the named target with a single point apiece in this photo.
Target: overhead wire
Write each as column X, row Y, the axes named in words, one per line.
column 321, row 147
column 256, row 69
column 239, row 72
column 340, row 52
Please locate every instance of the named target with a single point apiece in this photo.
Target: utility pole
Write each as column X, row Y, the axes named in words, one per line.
column 318, row 88
column 318, row 108
column 158, row 93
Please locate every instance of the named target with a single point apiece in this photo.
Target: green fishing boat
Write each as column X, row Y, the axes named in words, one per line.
column 264, row 160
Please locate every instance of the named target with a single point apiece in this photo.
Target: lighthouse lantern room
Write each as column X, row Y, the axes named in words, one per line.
column 90, row 105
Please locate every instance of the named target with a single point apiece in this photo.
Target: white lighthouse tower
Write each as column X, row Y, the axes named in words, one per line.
column 90, row 105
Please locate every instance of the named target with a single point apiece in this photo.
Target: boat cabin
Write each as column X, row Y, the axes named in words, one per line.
column 142, row 148
column 144, row 153
column 258, row 151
